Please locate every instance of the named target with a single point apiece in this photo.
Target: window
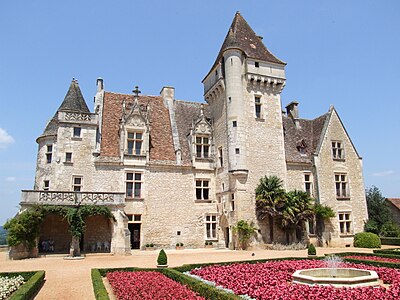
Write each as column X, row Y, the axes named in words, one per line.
column 257, row 64
column 202, row 189
column 211, row 227
column 134, row 142
column 77, row 183
column 234, row 123
column 308, row 184
column 49, row 153
column 257, row 102
column 337, row 150
column 46, row 185
column 232, row 202
column 68, row 157
column 130, row 217
column 134, row 185
column 237, row 150
column 137, row 218
column 342, row 190
column 220, row 157
column 202, row 147
column 345, row 222
column 77, row 132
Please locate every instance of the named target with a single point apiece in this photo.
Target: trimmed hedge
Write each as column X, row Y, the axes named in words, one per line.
column 367, row 240
column 311, row 250
column 203, row 289
column 99, row 289
column 393, row 252
column 390, row 241
column 34, row 281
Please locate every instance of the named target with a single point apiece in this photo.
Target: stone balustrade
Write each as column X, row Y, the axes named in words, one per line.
column 71, row 198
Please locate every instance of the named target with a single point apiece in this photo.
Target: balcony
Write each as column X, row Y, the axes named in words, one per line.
column 71, row 198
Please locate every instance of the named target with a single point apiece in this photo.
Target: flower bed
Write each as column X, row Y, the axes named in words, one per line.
column 273, row 280
column 9, row 284
column 147, row 285
column 374, row 258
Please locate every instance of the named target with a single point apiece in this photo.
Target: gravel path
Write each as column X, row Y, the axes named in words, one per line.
column 70, row 279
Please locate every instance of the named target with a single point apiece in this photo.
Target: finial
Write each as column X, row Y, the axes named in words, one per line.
column 202, row 110
column 136, row 93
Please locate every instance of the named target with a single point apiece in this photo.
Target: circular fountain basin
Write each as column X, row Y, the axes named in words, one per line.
column 340, row 277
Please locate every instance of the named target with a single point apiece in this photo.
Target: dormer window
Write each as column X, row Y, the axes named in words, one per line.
column 134, row 142
column 202, row 147
column 302, row 148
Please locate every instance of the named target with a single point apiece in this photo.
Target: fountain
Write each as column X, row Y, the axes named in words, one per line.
column 335, row 276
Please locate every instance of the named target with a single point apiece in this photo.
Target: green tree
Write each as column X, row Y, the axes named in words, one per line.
column 379, row 215
column 270, row 198
column 244, row 231
column 24, row 228
column 297, row 209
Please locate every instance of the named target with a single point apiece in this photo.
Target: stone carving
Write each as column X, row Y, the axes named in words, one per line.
column 77, row 117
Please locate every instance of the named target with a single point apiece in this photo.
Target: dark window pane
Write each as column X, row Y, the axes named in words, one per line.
column 138, row 147
column 138, row 136
column 138, row 176
column 206, row 151
column 205, row 194
column 130, row 147
column 138, row 187
column 131, row 135
column 205, row 140
column 77, row 188
column 129, row 189
column 198, row 150
column 198, row 140
column 198, row 194
column 198, row 182
column 205, row 183
column 129, row 176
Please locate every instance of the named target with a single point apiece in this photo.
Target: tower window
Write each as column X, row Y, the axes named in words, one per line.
column 257, row 102
column 77, row 132
column 68, row 157
column 237, row 150
column 257, row 64
column 234, row 123
column 220, row 157
column 77, row 182
column 49, row 153
column 46, row 185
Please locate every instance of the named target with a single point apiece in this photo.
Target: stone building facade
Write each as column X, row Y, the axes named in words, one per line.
column 176, row 171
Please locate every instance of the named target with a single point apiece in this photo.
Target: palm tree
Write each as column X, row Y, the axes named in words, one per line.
column 298, row 209
column 270, row 198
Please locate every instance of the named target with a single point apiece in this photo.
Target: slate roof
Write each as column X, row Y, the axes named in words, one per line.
column 73, row 102
column 185, row 114
column 395, row 202
column 309, row 134
column 161, row 144
column 241, row 36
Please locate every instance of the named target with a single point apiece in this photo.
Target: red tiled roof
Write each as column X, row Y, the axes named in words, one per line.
column 161, row 144
column 394, row 201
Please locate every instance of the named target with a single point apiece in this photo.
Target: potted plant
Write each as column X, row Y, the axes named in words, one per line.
column 162, row 260
column 311, row 251
column 179, row 246
column 149, row 246
column 209, row 244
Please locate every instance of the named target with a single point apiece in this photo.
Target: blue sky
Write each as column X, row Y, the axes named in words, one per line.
column 344, row 53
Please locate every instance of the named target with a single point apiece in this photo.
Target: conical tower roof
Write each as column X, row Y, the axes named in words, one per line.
column 73, row 102
column 241, row 36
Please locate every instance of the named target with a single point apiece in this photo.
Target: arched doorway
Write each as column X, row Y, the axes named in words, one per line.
column 54, row 235
column 98, row 234
column 223, row 223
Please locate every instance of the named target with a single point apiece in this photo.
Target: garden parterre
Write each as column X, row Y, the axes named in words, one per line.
column 148, row 285
column 9, row 284
column 273, row 280
column 374, row 258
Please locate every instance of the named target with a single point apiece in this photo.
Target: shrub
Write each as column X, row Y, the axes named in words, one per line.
column 390, row 241
column 390, row 229
column 367, row 240
column 311, row 250
column 162, row 258
column 245, row 231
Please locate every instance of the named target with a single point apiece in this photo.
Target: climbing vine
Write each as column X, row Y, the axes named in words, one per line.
column 24, row 228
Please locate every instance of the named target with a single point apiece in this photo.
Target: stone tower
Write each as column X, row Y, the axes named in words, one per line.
column 243, row 90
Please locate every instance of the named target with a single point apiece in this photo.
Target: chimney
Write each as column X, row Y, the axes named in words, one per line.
column 168, row 95
column 292, row 110
column 99, row 84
